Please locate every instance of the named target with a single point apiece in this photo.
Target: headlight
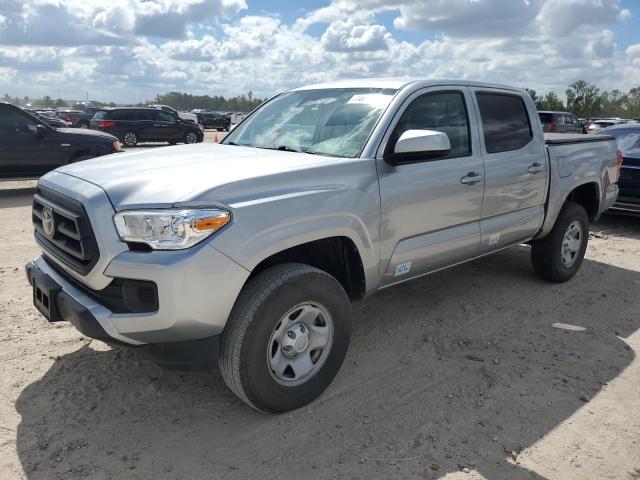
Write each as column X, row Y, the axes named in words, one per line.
column 116, row 146
column 169, row 229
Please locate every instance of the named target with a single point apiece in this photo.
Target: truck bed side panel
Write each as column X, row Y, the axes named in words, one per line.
column 577, row 160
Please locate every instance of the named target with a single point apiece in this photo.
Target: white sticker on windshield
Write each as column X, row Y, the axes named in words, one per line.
column 374, row 99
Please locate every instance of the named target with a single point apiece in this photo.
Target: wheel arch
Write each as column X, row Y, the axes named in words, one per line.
column 588, row 196
column 338, row 256
column 586, row 193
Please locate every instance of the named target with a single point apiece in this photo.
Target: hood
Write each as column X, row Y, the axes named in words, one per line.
column 87, row 132
column 191, row 174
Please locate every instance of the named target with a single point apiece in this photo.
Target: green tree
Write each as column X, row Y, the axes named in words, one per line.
column 584, row 99
column 551, row 101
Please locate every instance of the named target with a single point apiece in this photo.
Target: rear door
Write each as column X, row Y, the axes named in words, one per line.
column 148, row 125
column 516, row 168
column 431, row 208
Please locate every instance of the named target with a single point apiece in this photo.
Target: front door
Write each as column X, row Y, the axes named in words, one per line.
column 26, row 151
column 431, row 209
column 166, row 127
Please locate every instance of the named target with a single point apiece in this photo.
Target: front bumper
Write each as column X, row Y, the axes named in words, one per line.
column 197, row 288
column 66, row 307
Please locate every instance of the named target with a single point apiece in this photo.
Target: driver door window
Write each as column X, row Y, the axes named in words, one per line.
column 12, row 123
column 167, row 117
column 443, row 112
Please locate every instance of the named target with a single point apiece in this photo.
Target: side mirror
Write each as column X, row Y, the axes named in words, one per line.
column 416, row 145
column 41, row 131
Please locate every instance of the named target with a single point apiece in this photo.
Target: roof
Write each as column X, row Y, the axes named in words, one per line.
column 400, row 82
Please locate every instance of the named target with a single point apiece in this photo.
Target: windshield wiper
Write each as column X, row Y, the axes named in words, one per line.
column 286, row 148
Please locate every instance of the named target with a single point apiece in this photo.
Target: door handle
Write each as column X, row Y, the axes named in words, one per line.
column 471, row 178
column 535, row 167
column 157, row 125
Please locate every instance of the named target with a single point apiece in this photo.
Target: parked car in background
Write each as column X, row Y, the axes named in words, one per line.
column 627, row 136
column 235, row 119
column 49, row 120
column 214, row 120
column 133, row 125
column 75, row 118
column 324, row 195
column 30, row 148
column 189, row 117
column 598, row 125
column 560, row 122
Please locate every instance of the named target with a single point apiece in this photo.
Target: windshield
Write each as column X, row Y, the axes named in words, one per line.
column 335, row 122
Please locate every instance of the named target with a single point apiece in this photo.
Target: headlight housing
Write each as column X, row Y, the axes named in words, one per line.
column 116, row 146
column 170, row 229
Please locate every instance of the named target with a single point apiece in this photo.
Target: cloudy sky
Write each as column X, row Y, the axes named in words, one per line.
column 129, row 50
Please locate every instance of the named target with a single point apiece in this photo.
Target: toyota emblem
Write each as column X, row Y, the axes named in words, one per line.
column 47, row 221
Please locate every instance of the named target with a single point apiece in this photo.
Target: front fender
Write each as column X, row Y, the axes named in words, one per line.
column 261, row 230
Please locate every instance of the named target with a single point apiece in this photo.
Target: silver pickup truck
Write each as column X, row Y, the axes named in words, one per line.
column 251, row 251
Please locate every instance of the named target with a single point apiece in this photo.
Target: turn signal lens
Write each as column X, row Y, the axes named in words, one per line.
column 211, row 223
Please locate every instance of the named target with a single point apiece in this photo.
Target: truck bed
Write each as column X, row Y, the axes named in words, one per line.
column 565, row 138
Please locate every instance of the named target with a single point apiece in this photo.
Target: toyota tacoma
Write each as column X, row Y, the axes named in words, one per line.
column 252, row 250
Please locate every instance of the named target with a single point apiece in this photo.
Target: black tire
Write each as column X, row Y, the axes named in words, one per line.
column 243, row 358
column 129, row 139
column 83, row 124
column 546, row 253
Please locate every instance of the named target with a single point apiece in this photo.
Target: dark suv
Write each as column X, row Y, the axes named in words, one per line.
column 560, row 122
column 215, row 120
column 30, row 148
column 133, row 125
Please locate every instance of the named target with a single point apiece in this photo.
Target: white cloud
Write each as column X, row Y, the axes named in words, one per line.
column 345, row 36
column 125, row 49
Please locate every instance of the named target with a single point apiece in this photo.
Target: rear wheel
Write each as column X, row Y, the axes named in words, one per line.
column 558, row 256
column 286, row 337
column 83, row 124
column 130, row 139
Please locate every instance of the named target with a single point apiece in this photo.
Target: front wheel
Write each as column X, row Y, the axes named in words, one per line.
column 191, row 138
column 558, row 256
column 83, row 124
column 286, row 337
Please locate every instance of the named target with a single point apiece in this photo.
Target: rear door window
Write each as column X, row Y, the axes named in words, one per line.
column 122, row 115
column 505, row 122
column 146, row 115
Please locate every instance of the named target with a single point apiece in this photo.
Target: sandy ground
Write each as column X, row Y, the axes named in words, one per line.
column 460, row 375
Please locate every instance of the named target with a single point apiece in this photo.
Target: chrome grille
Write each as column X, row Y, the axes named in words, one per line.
column 63, row 230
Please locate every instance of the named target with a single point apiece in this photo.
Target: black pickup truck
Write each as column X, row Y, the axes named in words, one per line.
column 29, row 148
